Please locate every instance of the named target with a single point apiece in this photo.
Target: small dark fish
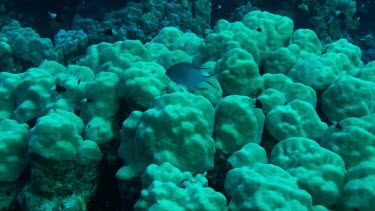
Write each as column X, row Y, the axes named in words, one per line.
column 87, row 100
column 258, row 104
column 60, row 89
column 190, row 77
column 57, row 17
column 341, row 16
column 108, row 32
column 338, row 126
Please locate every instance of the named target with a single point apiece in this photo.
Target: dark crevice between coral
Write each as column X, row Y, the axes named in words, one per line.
column 268, row 142
column 319, row 110
column 107, row 195
column 130, row 191
column 216, row 176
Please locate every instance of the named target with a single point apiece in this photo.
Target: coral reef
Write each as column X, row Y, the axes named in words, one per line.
column 91, row 117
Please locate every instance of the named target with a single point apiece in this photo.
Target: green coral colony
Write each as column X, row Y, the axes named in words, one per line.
column 151, row 108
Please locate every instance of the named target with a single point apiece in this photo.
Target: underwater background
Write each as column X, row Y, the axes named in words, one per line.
column 187, row 105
